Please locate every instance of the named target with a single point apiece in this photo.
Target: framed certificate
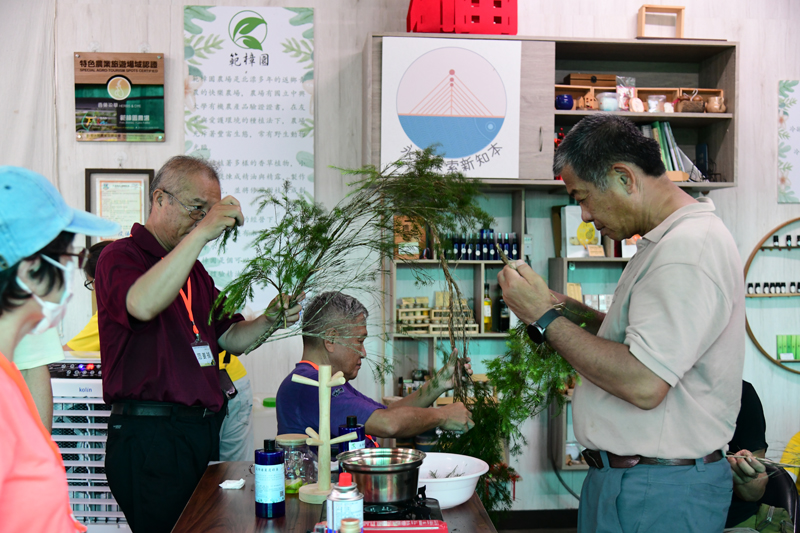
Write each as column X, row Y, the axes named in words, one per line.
column 121, row 195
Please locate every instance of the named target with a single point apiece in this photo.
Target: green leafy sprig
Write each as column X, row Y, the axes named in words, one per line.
column 313, row 250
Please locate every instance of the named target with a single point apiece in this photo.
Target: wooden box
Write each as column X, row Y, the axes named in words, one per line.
column 591, row 80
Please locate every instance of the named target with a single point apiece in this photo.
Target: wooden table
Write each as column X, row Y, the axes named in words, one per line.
column 212, row 509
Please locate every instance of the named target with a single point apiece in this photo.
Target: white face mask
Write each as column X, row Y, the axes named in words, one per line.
column 53, row 312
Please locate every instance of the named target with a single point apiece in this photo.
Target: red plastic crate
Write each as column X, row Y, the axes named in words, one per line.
column 488, row 17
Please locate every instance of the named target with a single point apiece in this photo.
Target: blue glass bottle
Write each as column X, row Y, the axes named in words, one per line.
column 353, row 426
column 270, row 495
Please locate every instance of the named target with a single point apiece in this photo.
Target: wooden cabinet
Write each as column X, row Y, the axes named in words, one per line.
column 546, row 62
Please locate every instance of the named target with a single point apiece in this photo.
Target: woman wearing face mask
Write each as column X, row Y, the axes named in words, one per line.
column 37, row 262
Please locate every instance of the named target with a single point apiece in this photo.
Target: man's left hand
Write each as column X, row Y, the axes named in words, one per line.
column 525, row 292
column 446, row 374
column 291, row 312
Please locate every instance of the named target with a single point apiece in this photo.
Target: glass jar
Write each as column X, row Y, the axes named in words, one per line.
column 298, row 460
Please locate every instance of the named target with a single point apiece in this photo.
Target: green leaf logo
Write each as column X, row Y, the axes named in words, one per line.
column 247, row 29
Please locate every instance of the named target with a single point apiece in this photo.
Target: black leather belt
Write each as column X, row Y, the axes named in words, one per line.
column 159, row 409
column 593, row 458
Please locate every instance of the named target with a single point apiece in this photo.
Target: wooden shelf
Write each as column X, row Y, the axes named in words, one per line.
column 689, row 120
column 425, row 262
column 771, row 295
column 445, row 336
column 597, row 259
column 770, row 248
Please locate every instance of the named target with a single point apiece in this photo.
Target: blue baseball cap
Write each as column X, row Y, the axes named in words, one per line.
column 33, row 213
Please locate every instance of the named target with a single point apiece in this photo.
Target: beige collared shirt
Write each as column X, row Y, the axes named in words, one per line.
column 679, row 307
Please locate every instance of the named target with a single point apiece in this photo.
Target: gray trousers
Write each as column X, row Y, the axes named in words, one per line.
column 236, row 436
column 656, row 499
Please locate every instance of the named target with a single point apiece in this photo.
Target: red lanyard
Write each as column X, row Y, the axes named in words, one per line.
column 187, row 300
column 16, row 377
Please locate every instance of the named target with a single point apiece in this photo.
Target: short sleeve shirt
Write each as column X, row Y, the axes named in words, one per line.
column 38, row 350
column 298, row 404
column 154, row 360
column 33, row 485
column 679, row 307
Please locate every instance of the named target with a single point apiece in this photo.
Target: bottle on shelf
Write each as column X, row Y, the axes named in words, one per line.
column 783, row 287
column 478, row 247
column 506, row 249
column 776, row 241
column 487, row 309
column 788, row 240
column 505, row 316
column 758, row 288
column 749, row 288
column 792, row 288
column 463, row 255
column 492, row 248
column 514, row 252
column 485, row 244
column 470, row 250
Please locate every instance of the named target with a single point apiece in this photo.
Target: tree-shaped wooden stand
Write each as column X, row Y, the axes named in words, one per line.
column 318, row 492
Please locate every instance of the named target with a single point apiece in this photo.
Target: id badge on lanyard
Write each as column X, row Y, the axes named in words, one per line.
column 201, row 348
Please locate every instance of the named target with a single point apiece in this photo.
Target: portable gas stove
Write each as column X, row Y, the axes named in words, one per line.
column 418, row 514
column 418, row 508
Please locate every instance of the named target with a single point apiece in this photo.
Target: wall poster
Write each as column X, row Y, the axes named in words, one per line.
column 462, row 94
column 249, row 108
column 788, row 142
column 119, row 97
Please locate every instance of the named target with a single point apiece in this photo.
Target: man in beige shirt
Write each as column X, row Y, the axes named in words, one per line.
column 661, row 371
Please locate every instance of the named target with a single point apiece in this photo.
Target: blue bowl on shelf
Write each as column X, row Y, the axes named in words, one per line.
column 564, row 102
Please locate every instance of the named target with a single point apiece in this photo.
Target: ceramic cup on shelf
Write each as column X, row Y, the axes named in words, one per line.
column 715, row 104
column 608, row 101
column 564, row 102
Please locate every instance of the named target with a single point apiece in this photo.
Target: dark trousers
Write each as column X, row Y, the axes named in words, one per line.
column 154, row 463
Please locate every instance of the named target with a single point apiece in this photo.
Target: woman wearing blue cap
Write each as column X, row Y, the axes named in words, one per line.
column 36, row 265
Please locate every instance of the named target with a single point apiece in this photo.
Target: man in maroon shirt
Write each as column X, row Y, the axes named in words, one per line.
column 158, row 347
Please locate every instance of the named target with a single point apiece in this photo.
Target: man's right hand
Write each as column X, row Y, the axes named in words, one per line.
column 458, row 418
column 222, row 216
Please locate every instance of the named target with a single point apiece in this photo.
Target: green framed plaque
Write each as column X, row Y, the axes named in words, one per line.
column 119, row 97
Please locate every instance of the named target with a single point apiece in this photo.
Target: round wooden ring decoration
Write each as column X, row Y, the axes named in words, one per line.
column 746, row 322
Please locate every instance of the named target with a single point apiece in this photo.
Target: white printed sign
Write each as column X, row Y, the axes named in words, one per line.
column 460, row 94
column 249, row 108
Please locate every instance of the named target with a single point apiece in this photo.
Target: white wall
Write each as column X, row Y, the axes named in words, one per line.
column 769, row 51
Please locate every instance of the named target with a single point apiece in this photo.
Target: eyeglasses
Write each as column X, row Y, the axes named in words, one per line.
column 194, row 212
column 82, row 256
column 89, row 284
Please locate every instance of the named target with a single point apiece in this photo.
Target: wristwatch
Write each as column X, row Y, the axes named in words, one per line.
column 536, row 329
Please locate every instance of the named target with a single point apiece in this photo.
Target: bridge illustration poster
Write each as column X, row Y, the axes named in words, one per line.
column 462, row 95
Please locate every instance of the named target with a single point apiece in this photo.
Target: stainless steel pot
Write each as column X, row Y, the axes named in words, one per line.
column 384, row 475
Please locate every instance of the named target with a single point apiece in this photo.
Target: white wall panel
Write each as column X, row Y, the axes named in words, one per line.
column 769, row 51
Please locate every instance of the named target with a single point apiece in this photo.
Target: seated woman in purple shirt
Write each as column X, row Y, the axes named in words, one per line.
column 334, row 330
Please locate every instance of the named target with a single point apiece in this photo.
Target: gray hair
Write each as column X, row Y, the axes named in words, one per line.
column 600, row 141
column 171, row 175
column 329, row 310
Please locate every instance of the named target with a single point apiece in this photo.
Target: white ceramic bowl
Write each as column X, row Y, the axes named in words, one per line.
column 454, row 490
